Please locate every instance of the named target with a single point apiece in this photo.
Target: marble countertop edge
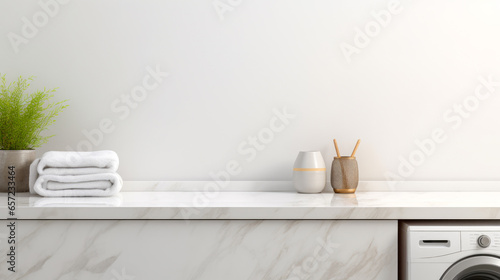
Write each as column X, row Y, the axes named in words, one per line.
column 260, row 205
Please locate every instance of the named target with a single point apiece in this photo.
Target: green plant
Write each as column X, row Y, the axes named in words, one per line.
column 24, row 116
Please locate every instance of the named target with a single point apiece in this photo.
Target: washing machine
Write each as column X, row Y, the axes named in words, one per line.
column 449, row 250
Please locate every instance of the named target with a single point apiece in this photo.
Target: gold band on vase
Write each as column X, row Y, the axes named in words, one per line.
column 344, row 190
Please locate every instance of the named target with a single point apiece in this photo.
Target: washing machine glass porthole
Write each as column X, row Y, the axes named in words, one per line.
column 480, row 276
column 474, row 268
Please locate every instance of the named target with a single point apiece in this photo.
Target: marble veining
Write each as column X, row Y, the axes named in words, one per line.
column 262, row 205
column 204, row 249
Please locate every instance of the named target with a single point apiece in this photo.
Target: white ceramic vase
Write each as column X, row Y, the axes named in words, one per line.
column 309, row 172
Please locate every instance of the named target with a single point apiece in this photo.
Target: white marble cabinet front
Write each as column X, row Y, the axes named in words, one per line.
column 202, row 249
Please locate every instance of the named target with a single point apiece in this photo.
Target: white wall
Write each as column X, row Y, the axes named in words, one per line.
column 227, row 76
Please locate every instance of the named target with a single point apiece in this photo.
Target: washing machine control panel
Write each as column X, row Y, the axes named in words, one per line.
column 480, row 240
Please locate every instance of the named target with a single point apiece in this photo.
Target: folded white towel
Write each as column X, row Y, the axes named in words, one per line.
column 33, row 175
column 64, row 183
column 101, row 184
column 77, row 163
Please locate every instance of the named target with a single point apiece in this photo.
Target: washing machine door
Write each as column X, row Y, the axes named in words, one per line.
column 474, row 268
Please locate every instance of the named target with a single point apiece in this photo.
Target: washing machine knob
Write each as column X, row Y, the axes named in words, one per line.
column 484, row 241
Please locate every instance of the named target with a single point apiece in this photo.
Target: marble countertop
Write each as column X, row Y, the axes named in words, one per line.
column 260, row 205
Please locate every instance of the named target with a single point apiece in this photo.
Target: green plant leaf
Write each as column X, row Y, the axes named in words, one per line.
column 23, row 116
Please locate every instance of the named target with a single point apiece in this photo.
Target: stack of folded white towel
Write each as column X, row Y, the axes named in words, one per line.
column 76, row 174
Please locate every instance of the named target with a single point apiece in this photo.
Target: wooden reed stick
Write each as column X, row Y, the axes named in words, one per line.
column 355, row 148
column 336, row 147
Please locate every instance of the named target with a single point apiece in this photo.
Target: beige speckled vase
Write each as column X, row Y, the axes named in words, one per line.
column 344, row 175
column 20, row 161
